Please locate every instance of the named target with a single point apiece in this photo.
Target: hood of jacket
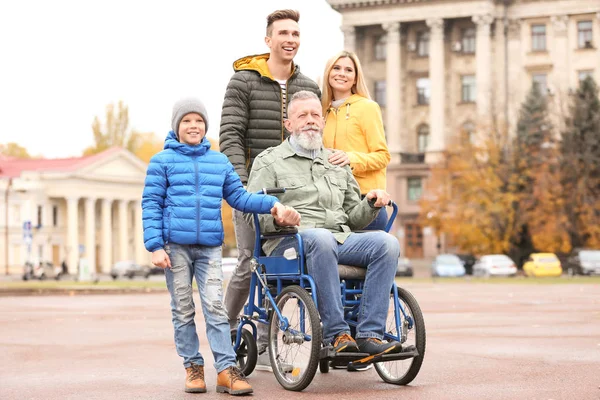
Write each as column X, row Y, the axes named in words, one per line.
column 257, row 63
column 200, row 149
column 345, row 107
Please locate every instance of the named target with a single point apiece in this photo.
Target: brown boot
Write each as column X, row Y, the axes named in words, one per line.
column 194, row 379
column 233, row 381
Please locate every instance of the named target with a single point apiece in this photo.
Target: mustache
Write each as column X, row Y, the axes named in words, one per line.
column 310, row 128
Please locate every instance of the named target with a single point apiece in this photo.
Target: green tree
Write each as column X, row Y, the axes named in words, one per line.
column 539, row 210
column 580, row 167
column 14, row 150
column 114, row 132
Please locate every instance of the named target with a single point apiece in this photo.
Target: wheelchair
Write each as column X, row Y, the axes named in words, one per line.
column 283, row 296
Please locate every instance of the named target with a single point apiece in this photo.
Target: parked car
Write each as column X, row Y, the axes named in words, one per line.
column 129, row 269
column 41, row 270
column 447, row 265
column 404, row 267
column 583, row 262
column 468, row 261
column 494, row 265
column 228, row 264
column 542, row 264
column 156, row 270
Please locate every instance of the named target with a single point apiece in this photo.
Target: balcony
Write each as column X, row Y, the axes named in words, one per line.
column 412, row 158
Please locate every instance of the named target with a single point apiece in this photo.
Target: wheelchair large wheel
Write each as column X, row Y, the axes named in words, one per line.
column 247, row 353
column 402, row 372
column 294, row 351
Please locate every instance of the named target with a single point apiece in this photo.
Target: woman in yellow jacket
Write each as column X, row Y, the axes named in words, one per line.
column 354, row 127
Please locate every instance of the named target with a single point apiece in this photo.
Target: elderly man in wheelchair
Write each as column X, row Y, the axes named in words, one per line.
column 328, row 200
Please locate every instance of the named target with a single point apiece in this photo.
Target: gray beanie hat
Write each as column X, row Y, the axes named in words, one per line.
column 186, row 106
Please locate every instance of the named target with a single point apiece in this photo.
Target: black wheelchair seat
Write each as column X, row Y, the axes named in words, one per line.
column 351, row 272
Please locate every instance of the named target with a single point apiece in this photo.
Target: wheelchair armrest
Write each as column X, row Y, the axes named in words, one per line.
column 286, row 232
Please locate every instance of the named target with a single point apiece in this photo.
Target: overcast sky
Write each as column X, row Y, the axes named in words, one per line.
column 63, row 61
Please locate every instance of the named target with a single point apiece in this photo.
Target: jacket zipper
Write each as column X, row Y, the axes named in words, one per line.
column 197, row 201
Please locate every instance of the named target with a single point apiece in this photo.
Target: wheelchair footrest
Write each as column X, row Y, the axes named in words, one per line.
column 408, row 352
column 341, row 358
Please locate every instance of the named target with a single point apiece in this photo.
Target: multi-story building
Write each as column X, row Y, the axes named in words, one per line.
column 77, row 208
column 439, row 68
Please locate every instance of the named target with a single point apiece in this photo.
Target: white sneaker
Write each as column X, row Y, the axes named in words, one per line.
column 263, row 363
column 351, row 369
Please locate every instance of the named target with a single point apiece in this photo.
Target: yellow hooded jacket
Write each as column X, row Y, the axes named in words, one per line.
column 356, row 128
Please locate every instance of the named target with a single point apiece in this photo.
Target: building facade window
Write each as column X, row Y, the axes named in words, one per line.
column 468, row 89
column 422, row 138
column 541, row 80
column 39, row 216
column 415, row 189
column 380, row 93
column 423, row 91
column 55, row 216
column 468, row 129
column 538, row 37
column 584, row 34
column 582, row 75
column 380, row 48
column 423, row 44
column 468, row 40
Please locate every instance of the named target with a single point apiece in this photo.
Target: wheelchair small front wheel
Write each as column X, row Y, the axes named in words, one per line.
column 324, row 366
column 294, row 349
column 247, row 353
column 412, row 332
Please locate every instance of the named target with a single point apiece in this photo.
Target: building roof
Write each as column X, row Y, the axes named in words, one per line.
column 12, row 167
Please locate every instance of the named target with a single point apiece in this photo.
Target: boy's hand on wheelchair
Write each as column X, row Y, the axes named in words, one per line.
column 381, row 197
column 285, row 216
column 160, row 258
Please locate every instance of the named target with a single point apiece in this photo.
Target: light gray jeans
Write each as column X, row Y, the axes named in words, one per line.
column 238, row 288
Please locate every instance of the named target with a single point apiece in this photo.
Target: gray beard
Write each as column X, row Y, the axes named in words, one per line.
column 308, row 142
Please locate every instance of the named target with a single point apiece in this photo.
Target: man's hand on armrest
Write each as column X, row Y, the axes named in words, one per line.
column 285, row 216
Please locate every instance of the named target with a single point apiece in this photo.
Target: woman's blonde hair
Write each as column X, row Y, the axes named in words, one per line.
column 359, row 87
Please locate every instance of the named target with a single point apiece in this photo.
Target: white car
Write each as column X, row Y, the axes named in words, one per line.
column 494, row 265
column 228, row 264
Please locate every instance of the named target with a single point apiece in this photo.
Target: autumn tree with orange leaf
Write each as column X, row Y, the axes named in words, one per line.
column 539, row 206
column 467, row 196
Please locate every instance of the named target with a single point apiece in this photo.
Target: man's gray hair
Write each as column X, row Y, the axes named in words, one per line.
column 302, row 95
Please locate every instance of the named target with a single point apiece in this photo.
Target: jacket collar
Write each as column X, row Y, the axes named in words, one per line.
column 200, row 149
column 258, row 63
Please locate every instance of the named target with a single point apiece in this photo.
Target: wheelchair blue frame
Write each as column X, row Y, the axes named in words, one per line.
column 277, row 272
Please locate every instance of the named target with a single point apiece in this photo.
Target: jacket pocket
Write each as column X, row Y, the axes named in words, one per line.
column 293, row 182
column 338, row 187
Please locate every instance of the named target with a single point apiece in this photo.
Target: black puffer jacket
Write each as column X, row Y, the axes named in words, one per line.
column 252, row 116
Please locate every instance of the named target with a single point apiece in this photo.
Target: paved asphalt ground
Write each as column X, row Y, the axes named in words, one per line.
column 484, row 341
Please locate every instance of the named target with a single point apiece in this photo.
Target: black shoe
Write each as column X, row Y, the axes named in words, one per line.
column 343, row 343
column 374, row 346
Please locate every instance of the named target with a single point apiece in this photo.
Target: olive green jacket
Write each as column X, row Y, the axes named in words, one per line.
column 326, row 196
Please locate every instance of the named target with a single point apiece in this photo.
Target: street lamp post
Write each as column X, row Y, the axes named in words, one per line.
column 8, row 186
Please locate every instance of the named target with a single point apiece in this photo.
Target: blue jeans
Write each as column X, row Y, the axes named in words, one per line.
column 376, row 251
column 379, row 222
column 204, row 263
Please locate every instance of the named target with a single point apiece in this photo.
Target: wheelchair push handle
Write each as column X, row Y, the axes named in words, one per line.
column 272, row 190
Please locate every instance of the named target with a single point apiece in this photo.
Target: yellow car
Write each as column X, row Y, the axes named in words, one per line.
column 542, row 264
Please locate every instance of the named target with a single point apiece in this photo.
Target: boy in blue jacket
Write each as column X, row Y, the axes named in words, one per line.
column 181, row 203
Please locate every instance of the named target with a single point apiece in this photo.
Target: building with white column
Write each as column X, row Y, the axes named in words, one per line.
column 441, row 68
column 79, row 208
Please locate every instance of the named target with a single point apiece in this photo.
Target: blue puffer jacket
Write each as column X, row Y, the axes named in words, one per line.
column 182, row 195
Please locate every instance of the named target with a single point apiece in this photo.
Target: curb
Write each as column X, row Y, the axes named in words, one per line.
column 5, row 292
